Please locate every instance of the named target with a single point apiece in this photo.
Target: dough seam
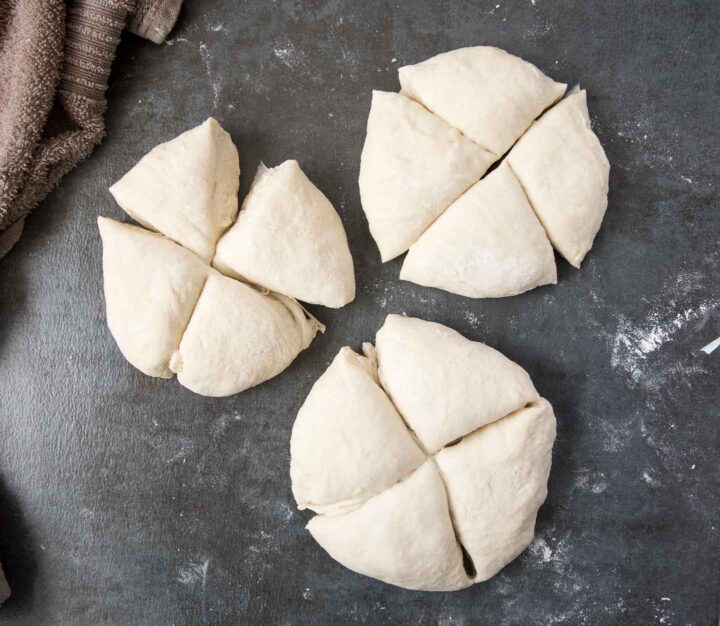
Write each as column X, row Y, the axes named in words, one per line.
column 428, row 457
column 468, row 565
column 424, row 106
column 532, row 206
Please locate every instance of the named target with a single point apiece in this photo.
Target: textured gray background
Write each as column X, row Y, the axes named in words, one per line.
column 126, row 499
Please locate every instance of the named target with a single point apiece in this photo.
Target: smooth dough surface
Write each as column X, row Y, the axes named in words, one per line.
column 151, row 286
column 491, row 96
column 496, row 480
column 403, row 536
column 444, row 385
column 413, row 166
column 564, row 171
column 289, row 238
column 185, row 188
column 238, row 337
column 348, row 442
column 487, row 244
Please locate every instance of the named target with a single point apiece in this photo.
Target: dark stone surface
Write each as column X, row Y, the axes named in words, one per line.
column 127, row 499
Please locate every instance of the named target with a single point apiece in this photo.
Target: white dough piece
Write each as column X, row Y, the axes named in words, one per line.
column 496, row 480
column 564, row 171
column 289, row 238
column 185, row 188
column 489, row 95
column 402, row 536
column 151, row 286
column 238, row 337
column 488, row 244
column 348, row 442
column 444, row 385
column 413, row 166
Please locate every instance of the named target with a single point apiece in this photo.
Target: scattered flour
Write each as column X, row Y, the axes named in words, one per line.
column 215, row 77
column 649, row 479
column 632, row 345
column 472, row 319
column 193, row 572
column 288, row 54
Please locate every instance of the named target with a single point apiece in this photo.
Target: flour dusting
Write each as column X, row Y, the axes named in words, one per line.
column 632, row 345
column 288, row 54
column 215, row 78
column 193, row 572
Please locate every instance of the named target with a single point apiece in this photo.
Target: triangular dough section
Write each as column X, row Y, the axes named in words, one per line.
column 151, row 287
column 444, row 385
column 403, row 536
column 564, row 171
column 289, row 238
column 488, row 244
column 185, row 188
column 413, row 166
column 496, row 480
column 489, row 95
column 238, row 337
column 348, row 442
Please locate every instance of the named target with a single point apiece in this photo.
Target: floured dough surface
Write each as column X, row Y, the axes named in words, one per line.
column 289, row 238
column 489, row 243
column 565, row 173
column 447, row 447
column 413, row 165
column 422, row 189
column 171, row 312
column 151, row 287
column 489, row 95
column 185, row 188
column 238, row 337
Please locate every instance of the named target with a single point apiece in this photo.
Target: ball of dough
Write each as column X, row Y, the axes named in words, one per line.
column 426, row 460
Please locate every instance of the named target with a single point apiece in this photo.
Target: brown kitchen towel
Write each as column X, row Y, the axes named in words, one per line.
column 55, row 59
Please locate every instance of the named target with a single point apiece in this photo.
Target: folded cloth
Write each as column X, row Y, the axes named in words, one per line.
column 52, row 118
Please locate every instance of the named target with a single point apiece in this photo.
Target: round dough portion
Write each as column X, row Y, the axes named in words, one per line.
column 488, row 244
column 489, row 95
column 348, row 442
column 473, row 237
column 238, row 338
column 438, row 520
column 289, row 238
column 234, row 336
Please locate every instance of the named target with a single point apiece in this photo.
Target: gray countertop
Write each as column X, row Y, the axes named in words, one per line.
column 127, row 499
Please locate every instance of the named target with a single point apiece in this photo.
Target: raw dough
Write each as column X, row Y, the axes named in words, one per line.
column 565, row 172
column 171, row 312
column 289, row 238
column 151, row 287
column 403, row 536
column 444, row 385
column 185, row 188
column 388, row 509
column 413, row 166
column 348, row 442
column 238, row 337
column 496, row 480
column 487, row 94
column 419, row 174
column 488, row 243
